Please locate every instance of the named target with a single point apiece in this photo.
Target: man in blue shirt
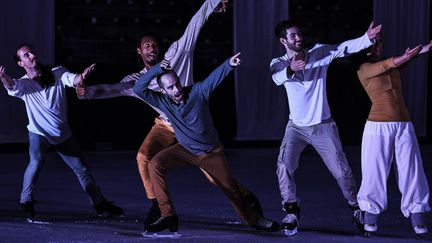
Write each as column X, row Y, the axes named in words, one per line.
column 198, row 143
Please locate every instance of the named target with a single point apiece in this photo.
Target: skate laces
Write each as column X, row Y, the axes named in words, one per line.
column 158, row 221
column 290, row 219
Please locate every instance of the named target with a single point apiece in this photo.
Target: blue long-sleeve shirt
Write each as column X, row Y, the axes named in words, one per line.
column 191, row 119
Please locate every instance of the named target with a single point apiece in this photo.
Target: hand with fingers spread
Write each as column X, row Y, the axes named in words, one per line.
column 426, row 48
column 88, row 70
column 80, row 87
column 6, row 80
column 221, row 7
column 410, row 53
column 2, row 71
column 373, row 30
column 235, row 60
column 79, row 79
column 407, row 56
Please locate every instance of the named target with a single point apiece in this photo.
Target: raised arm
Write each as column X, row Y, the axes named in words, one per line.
column 180, row 53
column 7, row 81
column 209, row 84
column 186, row 43
column 355, row 45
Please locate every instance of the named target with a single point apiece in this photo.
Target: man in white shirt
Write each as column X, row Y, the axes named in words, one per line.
column 303, row 72
column 43, row 90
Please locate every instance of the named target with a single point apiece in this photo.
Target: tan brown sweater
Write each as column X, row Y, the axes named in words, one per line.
column 382, row 83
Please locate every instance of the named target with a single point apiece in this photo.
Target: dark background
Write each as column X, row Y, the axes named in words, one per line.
column 107, row 32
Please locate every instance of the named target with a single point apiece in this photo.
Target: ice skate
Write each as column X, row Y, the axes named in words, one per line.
column 290, row 223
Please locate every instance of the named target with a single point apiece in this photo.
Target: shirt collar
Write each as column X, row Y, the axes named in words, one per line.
column 290, row 55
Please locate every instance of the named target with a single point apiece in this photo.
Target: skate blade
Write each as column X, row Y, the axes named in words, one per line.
column 166, row 235
column 421, row 236
column 109, row 215
column 288, row 232
column 32, row 221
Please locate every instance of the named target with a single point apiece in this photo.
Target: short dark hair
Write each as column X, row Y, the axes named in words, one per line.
column 15, row 55
column 281, row 28
column 147, row 34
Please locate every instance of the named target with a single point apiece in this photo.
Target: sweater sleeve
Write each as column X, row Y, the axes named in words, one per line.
column 141, row 87
column 208, row 85
column 369, row 70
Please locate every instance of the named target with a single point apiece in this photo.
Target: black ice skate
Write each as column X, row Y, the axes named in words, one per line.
column 154, row 230
column 266, row 225
column 254, row 203
column 153, row 214
column 358, row 218
column 28, row 209
column 105, row 209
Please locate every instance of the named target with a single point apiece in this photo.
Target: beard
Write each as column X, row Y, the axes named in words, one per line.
column 296, row 46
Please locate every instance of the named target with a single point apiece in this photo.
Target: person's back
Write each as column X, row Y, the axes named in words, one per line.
column 382, row 82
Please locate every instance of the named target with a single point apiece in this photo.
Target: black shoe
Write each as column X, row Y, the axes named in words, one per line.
column 106, row 208
column 163, row 223
column 254, row 203
column 28, row 209
column 358, row 218
column 266, row 224
column 290, row 223
column 153, row 214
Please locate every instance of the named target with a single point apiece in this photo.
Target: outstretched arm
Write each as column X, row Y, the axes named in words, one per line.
column 207, row 86
column 105, row 91
column 372, row 69
column 7, row 81
column 369, row 70
column 407, row 55
column 349, row 47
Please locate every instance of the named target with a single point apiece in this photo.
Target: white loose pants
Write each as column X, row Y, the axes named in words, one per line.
column 382, row 143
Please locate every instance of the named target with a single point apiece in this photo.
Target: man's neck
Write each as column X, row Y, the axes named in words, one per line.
column 34, row 73
column 291, row 53
column 148, row 66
